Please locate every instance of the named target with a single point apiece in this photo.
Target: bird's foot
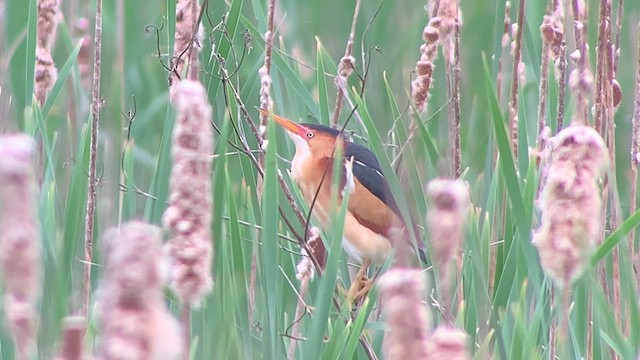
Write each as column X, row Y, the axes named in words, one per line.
column 359, row 290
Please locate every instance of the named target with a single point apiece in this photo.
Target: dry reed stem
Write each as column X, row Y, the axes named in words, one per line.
column 449, row 201
column 304, row 273
column 571, row 203
column 513, row 102
column 19, row 240
column 635, row 159
column 552, row 33
column 401, row 291
column 188, row 216
column 581, row 78
column 603, row 69
column 457, row 166
column 505, row 42
column 561, row 79
column 134, row 321
column 265, row 73
column 448, row 343
column 345, row 68
column 96, row 106
column 542, row 90
column 616, row 44
column 73, row 332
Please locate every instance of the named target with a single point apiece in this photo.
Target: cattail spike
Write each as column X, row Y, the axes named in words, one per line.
column 188, row 216
column 19, row 239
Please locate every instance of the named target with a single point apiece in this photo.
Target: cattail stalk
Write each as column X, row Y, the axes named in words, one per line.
column 581, row 78
column 449, row 203
column 505, row 42
column 19, row 240
column 517, row 66
column 96, row 106
column 635, row 159
column 134, row 322
column 454, row 122
column 402, row 290
column 554, row 49
column 73, row 332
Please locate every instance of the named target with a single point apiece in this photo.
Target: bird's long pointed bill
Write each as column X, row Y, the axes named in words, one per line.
column 287, row 124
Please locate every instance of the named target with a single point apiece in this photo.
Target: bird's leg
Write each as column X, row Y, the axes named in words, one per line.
column 360, row 285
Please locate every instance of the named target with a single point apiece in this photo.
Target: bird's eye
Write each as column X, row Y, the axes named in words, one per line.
column 309, row 134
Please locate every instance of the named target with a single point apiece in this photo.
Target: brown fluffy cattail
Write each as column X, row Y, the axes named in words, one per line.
column 402, row 291
column 188, row 216
column 570, row 202
column 450, row 200
column 19, row 239
column 45, row 72
column 448, row 343
column 134, row 321
column 424, row 67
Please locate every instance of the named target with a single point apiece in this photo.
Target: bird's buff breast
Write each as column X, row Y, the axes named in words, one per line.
column 358, row 241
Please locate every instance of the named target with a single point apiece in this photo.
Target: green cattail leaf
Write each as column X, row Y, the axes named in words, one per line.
column 63, row 75
column 615, row 237
column 321, row 83
column 269, row 257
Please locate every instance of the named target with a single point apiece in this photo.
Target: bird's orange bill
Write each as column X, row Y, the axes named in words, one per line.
column 286, row 123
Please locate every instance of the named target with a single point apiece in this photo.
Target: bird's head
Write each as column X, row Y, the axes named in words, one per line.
column 318, row 140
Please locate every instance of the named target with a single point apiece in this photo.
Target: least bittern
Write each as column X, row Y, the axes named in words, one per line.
column 373, row 225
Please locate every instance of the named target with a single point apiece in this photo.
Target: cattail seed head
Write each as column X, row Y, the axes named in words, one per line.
column 134, row 321
column 46, row 74
column 425, row 65
column 188, row 216
column 19, row 239
column 449, row 202
column 402, row 291
column 570, row 202
column 45, row 69
column 448, row 343
column 48, row 12
column 188, row 38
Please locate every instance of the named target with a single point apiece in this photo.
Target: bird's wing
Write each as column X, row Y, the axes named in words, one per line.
column 370, row 200
column 366, row 170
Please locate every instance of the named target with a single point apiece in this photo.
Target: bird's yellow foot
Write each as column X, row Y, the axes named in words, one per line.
column 360, row 286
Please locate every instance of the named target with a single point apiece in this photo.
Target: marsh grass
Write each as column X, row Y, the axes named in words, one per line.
column 504, row 300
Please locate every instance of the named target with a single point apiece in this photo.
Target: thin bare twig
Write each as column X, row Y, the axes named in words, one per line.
column 346, row 66
column 457, row 168
column 96, row 105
